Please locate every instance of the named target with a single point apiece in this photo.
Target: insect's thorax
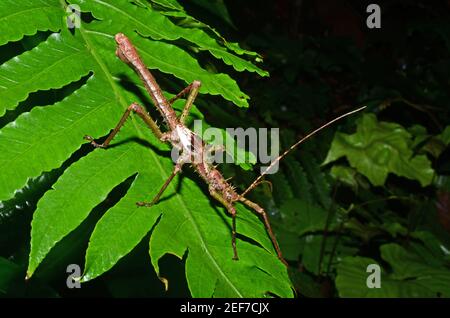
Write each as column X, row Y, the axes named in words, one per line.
column 195, row 151
column 188, row 142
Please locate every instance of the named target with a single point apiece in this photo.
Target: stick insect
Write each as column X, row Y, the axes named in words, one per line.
column 191, row 147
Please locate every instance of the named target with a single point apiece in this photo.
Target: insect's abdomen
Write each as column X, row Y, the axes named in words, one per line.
column 218, row 183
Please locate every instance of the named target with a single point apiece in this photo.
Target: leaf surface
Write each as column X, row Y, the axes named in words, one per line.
column 45, row 138
column 380, row 148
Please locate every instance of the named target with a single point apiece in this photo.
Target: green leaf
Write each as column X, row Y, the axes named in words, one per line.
column 47, row 136
column 52, row 61
column 431, row 248
column 380, row 148
column 52, row 134
column 76, row 193
column 424, row 142
column 189, row 70
column 299, row 180
column 77, row 110
column 299, row 225
column 317, row 178
column 223, row 139
column 122, row 227
column 210, row 269
column 283, row 190
column 445, row 136
column 412, row 276
column 290, row 243
column 173, row 60
column 171, row 4
column 307, row 284
column 352, row 275
column 366, row 231
column 162, row 28
column 302, row 217
column 180, row 13
column 395, row 229
column 15, row 22
column 344, row 174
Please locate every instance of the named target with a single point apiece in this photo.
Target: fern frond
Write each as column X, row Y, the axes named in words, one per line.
column 44, row 138
column 299, row 180
column 15, row 18
column 318, row 179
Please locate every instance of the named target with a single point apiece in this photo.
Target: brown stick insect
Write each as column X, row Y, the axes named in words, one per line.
column 192, row 148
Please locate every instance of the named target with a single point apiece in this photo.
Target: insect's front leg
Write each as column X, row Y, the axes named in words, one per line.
column 193, row 89
column 136, row 108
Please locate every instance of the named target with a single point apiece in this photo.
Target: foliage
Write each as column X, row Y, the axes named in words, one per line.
column 412, row 275
column 373, row 189
column 376, row 192
column 186, row 223
column 377, row 149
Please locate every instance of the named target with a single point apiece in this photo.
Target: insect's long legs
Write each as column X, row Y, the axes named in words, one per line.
column 263, row 213
column 232, row 210
column 176, row 170
column 182, row 93
column 132, row 108
column 193, row 89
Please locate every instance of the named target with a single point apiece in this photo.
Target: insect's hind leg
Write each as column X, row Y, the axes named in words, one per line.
column 263, row 213
column 232, row 210
column 176, row 170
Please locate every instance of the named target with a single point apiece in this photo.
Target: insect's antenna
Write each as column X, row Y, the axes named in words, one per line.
column 255, row 183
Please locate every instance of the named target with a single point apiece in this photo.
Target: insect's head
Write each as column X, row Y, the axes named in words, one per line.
column 125, row 50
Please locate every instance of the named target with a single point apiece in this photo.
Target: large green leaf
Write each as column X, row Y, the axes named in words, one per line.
column 380, row 148
column 412, row 276
column 47, row 136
